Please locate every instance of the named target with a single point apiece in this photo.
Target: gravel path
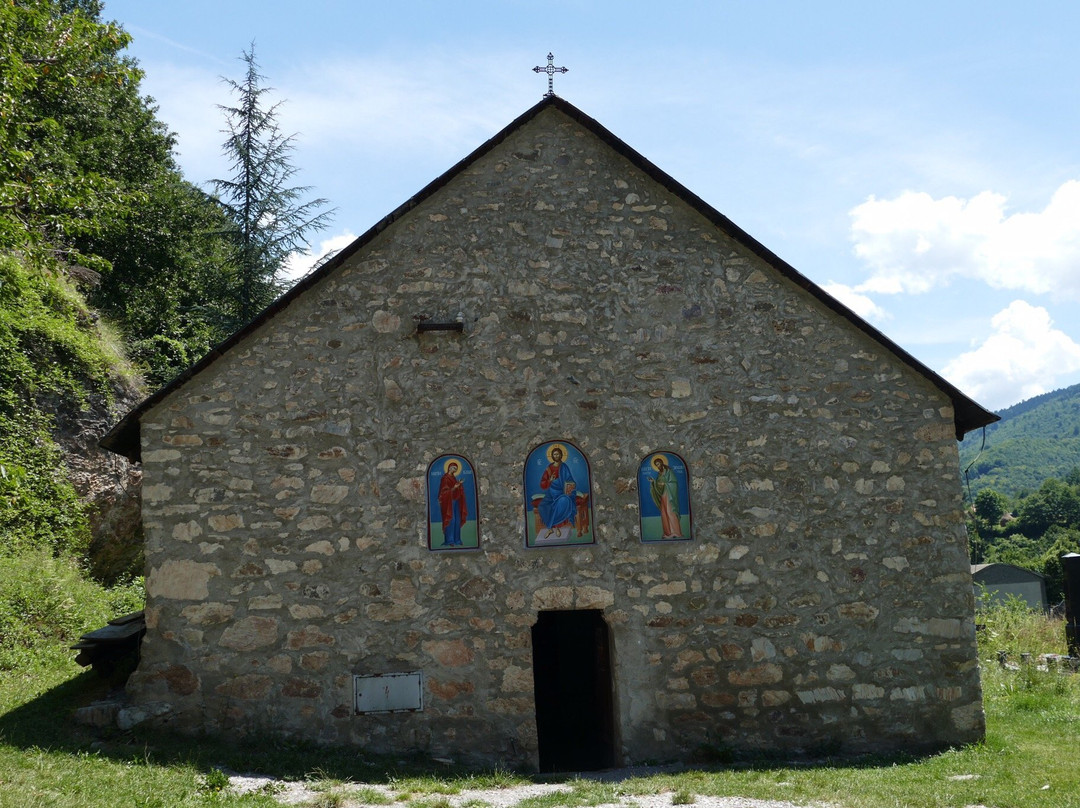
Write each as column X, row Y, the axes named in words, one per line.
column 302, row 793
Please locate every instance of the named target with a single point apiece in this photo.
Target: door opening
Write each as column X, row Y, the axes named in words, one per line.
column 575, row 722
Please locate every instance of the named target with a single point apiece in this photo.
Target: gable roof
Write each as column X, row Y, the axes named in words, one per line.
column 124, row 438
column 1001, row 573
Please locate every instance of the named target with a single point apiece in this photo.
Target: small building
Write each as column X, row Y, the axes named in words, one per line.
column 558, row 467
column 1000, row 581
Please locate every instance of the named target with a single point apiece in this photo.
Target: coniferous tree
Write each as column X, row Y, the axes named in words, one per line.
column 270, row 218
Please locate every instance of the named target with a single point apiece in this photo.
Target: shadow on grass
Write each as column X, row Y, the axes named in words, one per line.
column 46, row 722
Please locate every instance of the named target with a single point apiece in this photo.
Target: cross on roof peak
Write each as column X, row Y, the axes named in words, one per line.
column 551, row 70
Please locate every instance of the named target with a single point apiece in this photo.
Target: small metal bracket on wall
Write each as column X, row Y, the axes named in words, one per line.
column 431, row 324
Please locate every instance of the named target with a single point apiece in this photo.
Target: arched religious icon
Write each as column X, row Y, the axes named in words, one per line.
column 558, row 499
column 664, row 498
column 453, row 518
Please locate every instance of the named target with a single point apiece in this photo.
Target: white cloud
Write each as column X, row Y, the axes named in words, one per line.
column 858, row 303
column 299, row 264
column 914, row 243
column 1022, row 358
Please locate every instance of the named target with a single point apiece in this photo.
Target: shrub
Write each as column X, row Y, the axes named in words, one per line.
column 1014, row 627
column 49, row 342
column 46, row 601
column 52, row 361
column 39, row 509
column 1030, row 687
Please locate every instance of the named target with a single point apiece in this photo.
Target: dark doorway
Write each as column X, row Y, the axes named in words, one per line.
column 575, row 722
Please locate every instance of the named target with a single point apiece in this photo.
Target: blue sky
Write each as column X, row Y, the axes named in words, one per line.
column 921, row 161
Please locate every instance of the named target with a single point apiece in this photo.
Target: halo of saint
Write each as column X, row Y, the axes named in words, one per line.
column 562, row 452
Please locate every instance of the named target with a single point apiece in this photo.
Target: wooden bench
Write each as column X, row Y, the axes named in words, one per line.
column 114, row 647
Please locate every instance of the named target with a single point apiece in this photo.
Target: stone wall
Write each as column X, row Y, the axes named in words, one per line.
column 825, row 600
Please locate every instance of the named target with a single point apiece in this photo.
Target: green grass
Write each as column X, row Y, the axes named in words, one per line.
column 441, row 802
column 474, row 803
column 46, row 603
column 1011, row 626
column 1027, row 759
column 425, row 785
column 370, row 796
column 582, row 792
column 332, row 799
column 683, row 797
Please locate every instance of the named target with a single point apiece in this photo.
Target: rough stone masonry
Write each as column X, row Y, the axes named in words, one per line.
column 825, row 599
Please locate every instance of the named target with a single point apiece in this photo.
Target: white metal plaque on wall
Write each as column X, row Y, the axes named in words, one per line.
column 389, row 692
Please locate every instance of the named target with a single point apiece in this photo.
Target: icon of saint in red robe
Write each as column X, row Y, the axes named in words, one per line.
column 452, row 505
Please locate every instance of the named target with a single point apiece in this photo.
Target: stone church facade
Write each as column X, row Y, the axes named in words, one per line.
column 555, row 286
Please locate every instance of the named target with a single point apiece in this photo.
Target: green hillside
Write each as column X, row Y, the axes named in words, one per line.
column 1034, row 440
column 107, row 256
column 114, row 268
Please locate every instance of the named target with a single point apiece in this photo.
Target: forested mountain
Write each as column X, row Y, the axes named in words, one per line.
column 1034, row 440
column 1025, row 485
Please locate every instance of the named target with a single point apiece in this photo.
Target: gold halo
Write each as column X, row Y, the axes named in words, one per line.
column 552, row 448
column 662, row 456
column 455, row 461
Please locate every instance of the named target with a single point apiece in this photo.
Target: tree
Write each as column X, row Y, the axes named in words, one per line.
column 1018, row 550
column 168, row 285
column 990, row 506
column 1062, row 541
column 60, row 80
column 270, row 219
column 1055, row 503
column 88, row 178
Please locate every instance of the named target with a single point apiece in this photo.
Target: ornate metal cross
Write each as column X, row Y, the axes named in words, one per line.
column 551, row 70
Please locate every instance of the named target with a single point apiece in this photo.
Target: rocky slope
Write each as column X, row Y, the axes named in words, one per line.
column 107, row 483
